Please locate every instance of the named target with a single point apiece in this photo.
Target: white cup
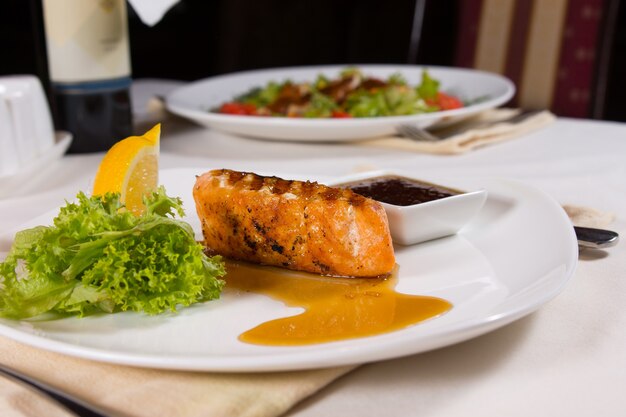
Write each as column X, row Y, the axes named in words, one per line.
column 26, row 129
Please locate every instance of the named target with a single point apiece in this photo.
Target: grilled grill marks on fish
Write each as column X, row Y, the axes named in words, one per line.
column 293, row 224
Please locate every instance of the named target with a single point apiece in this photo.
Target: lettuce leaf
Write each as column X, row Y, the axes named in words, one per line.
column 363, row 103
column 429, row 86
column 320, row 105
column 97, row 257
column 261, row 97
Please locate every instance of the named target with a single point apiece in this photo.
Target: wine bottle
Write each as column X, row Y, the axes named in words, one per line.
column 88, row 65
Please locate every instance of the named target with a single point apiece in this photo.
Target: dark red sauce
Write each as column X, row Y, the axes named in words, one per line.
column 400, row 191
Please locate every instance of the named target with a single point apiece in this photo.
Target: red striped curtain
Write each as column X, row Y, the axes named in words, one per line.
column 546, row 47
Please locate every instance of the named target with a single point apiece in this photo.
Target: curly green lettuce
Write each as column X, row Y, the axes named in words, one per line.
column 97, row 257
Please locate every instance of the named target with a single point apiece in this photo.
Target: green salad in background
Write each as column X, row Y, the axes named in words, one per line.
column 97, row 257
column 352, row 94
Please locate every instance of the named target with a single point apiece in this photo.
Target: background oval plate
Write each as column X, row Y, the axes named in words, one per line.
column 195, row 100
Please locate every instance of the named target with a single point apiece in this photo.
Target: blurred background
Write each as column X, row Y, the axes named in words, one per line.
column 565, row 55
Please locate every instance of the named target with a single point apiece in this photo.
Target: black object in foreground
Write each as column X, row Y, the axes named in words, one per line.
column 72, row 404
column 595, row 238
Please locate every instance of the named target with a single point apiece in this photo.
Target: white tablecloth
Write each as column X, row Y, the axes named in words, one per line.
column 569, row 358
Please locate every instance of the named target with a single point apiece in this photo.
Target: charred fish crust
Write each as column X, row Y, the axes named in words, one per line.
column 356, row 200
column 259, row 228
column 232, row 177
column 268, row 183
column 277, row 248
column 272, row 244
column 331, row 194
column 308, row 189
column 250, row 243
column 299, row 240
column 323, row 268
column 253, row 182
column 233, row 221
column 275, row 185
column 281, row 186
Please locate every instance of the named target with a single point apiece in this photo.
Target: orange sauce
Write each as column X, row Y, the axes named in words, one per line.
column 334, row 308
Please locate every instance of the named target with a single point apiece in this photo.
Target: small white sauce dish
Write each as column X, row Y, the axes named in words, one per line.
column 416, row 223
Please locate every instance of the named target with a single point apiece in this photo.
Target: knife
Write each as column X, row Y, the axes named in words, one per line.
column 69, row 403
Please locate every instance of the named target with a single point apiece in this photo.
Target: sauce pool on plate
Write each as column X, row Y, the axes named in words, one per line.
column 334, row 308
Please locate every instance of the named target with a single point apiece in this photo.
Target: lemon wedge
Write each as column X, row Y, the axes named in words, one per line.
column 131, row 168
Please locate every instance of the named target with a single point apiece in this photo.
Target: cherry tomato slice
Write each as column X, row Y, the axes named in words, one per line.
column 339, row 114
column 238, row 108
column 445, row 102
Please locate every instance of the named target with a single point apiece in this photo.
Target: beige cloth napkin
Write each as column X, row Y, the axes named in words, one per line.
column 474, row 133
column 588, row 216
column 124, row 391
column 137, row 392
column 17, row 400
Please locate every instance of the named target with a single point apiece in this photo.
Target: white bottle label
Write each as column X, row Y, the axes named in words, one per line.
column 87, row 40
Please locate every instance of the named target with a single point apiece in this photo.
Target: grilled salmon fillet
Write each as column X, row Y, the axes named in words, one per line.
column 297, row 225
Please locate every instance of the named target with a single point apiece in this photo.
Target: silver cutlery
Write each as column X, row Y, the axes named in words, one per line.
column 67, row 401
column 415, row 133
column 591, row 238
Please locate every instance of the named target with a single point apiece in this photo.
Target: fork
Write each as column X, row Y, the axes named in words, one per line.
column 66, row 401
column 415, row 133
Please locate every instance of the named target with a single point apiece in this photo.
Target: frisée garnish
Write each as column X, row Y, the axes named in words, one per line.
column 99, row 257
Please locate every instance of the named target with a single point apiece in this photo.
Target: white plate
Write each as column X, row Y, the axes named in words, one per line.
column 195, row 99
column 516, row 255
